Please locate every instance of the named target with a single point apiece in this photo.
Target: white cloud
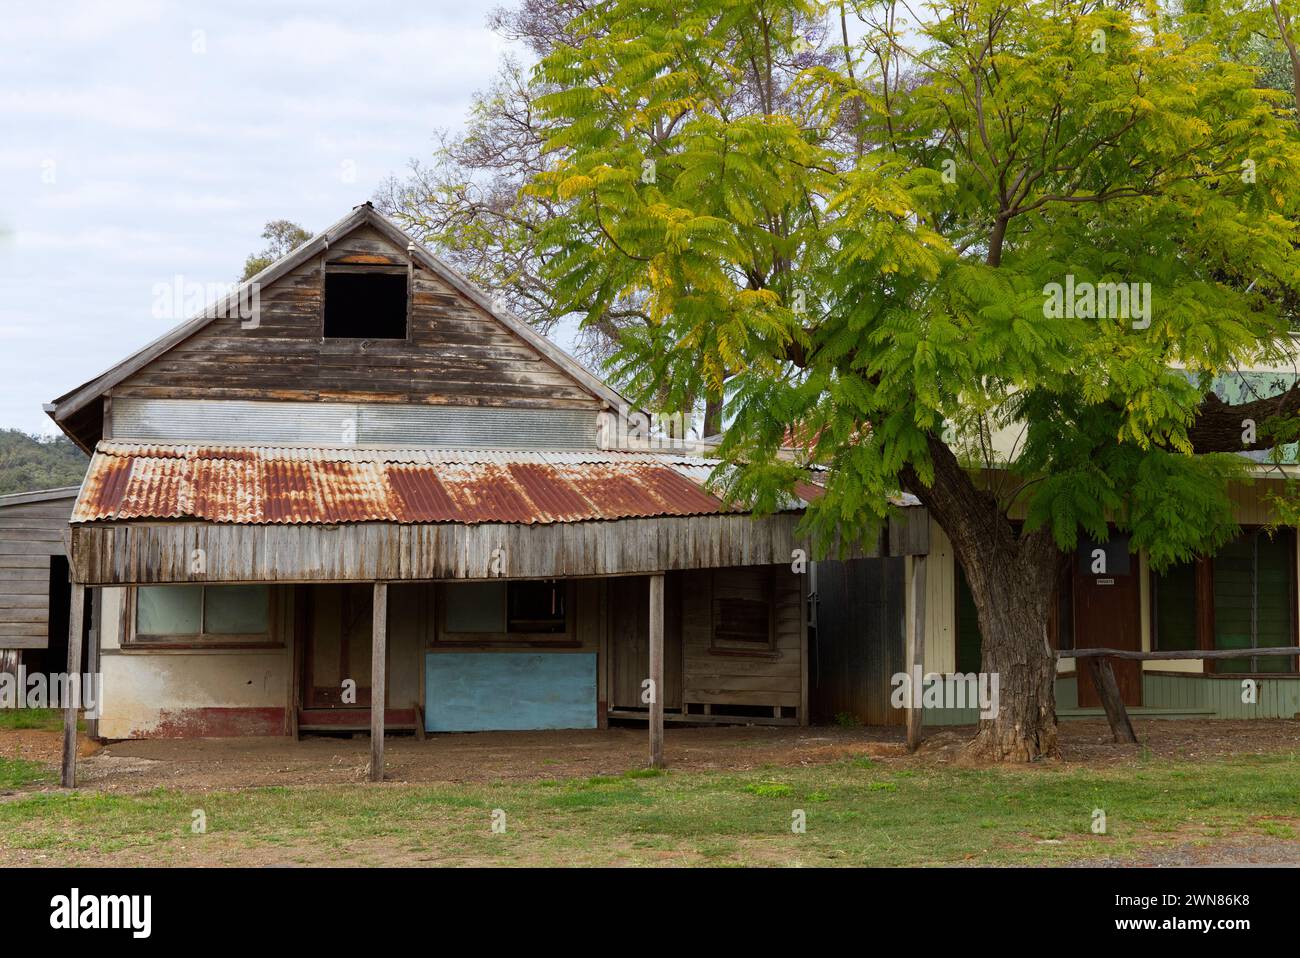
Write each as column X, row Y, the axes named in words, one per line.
column 169, row 161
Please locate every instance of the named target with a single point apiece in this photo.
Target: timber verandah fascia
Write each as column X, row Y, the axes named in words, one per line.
column 147, row 553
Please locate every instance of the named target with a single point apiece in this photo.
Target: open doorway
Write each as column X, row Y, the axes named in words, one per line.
column 54, row 657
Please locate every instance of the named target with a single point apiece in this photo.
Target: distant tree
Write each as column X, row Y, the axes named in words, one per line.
column 29, row 462
column 283, row 238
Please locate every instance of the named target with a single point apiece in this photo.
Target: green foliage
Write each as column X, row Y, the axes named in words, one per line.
column 29, row 462
column 283, row 237
column 868, row 258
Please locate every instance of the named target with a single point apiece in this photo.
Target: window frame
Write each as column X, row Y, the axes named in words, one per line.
column 460, row 640
column 272, row 638
column 343, row 344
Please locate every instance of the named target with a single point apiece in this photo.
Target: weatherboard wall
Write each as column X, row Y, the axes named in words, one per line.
column 32, row 531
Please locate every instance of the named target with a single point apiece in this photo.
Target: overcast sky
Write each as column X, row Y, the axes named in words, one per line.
column 140, row 141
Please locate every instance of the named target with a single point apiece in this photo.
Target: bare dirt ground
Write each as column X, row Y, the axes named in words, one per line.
column 233, row 763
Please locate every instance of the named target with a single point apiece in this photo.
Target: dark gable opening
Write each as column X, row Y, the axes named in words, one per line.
column 363, row 305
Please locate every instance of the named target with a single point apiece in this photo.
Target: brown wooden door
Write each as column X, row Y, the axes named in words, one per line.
column 1107, row 614
column 629, row 641
column 337, row 628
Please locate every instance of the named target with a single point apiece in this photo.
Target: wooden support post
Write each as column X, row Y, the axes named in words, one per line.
column 1103, row 679
column 657, row 670
column 76, row 615
column 92, row 655
column 915, row 650
column 378, row 681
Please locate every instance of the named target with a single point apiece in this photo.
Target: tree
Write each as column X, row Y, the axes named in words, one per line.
column 897, row 295
column 29, row 462
column 283, row 238
column 469, row 202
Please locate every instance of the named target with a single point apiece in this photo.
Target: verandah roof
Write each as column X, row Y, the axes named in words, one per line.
column 256, row 485
column 310, row 514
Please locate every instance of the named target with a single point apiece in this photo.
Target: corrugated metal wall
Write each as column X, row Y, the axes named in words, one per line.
column 858, row 645
column 380, row 424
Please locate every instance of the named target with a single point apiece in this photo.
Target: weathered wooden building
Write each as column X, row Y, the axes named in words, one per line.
column 376, row 487
column 35, row 585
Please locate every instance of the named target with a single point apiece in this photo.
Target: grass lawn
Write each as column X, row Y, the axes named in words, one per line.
column 15, row 773
column 858, row 812
column 43, row 719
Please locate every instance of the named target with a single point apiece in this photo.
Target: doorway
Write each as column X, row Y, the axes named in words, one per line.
column 1107, row 614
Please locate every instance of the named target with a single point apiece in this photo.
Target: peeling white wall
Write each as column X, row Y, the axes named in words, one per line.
column 143, row 690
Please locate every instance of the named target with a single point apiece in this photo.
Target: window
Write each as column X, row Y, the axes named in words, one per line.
column 1174, row 598
column 212, row 615
column 365, row 305
column 506, row 611
column 535, row 607
column 742, row 610
column 1253, row 600
column 1240, row 598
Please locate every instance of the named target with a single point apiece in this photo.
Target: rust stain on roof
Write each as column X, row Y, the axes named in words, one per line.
column 260, row 485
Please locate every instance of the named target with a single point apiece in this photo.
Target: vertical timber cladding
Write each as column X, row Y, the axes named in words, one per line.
column 454, row 354
column 725, row 680
column 859, row 641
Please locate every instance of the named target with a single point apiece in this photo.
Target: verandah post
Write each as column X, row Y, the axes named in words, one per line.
column 76, row 613
column 657, row 670
column 914, row 643
column 378, row 680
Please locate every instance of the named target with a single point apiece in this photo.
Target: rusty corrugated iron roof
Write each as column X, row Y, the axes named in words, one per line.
column 283, row 484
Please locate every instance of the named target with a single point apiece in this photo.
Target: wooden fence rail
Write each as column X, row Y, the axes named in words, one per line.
column 1103, row 676
column 1187, row 654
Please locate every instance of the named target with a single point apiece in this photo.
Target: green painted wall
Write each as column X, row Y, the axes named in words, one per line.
column 1275, row 698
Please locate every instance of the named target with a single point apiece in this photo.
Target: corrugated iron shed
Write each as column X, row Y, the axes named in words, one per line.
column 297, row 485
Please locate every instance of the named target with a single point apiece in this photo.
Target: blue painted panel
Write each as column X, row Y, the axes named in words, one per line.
column 483, row 691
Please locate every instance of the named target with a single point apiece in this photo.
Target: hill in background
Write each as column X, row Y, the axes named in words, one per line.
column 30, row 462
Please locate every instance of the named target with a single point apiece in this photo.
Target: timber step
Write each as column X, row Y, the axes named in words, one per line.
column 1139, row 712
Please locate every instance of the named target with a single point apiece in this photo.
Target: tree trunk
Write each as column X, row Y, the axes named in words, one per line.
column 1012, row 579
column 1013, row 604
column 712, row 415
